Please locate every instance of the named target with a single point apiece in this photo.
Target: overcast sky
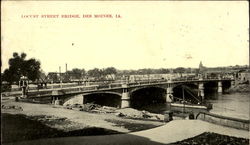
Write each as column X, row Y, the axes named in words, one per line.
column 149, row 34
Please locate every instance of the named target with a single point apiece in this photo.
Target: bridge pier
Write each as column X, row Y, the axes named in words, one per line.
column 232, row 83
column 125, row 100
column 201, row 91
column 58, row 101
column 169, row 95
column 77, row 99
column 53, row 100
column 220, row 87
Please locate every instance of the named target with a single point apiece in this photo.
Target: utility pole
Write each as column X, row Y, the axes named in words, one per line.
column 60, row 76
column 66, row 73
column 66, row 69
column 183, row 98
column 60, row 72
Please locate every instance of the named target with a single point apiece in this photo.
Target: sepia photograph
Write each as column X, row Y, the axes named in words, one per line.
column 125, row 72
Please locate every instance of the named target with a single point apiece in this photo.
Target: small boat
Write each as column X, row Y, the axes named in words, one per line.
column 195, row 106
column 181, row 107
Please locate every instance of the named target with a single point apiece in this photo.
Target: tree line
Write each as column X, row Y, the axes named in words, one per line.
column 31, row 68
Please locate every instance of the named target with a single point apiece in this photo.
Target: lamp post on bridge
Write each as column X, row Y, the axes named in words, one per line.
column 60, row 76
column 220, row 90
column 169, row 94
column 23, row 84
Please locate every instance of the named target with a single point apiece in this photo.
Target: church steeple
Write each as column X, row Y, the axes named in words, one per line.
column 201, row 65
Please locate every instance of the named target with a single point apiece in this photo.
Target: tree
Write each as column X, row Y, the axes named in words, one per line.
column 53, row 77
column 19, row 66
column 31, row 69
column 97, row 73
column 110, row 71
column 43, row 77
column 164, row 71
column 76, row 73
column 179, row 70
column 83, row 72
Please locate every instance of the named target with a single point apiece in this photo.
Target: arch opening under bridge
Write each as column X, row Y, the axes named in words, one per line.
column 103, row 99
column 187, row 93
column 226, row 85
column 151, row 99
column 211, row 89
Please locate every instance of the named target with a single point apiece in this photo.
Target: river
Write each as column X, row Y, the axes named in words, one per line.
column 235, row 105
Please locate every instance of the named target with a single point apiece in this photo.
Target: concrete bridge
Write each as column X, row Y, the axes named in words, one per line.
column 123, row 95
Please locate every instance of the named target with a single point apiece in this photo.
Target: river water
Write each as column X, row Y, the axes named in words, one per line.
column 235, row 105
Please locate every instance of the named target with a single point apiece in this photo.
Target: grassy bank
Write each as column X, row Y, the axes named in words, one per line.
column 208, row 138
column 20, row 127
column 131, row 126
column 241, row 88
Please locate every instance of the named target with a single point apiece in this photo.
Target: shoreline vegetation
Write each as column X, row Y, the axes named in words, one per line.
column 240, row 88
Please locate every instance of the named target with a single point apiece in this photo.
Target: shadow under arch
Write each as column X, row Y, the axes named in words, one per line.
column 210, row 89
column 191, row 85
column 111, row 99
column 188, row 92
column 150, row 98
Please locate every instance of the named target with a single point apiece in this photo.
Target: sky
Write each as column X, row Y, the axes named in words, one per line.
column 159, row 34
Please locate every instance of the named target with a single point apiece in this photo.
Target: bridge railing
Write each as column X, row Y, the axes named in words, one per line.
column 116, row 85
column 143, row 82
column 89, row 88
column 40, row 93
column 103, row 85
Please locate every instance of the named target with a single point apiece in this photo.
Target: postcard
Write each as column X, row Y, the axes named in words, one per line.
column 125, row 72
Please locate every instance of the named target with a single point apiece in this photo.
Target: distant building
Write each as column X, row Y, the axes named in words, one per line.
column 201, row 67
column 53, row 77
column 244, row 75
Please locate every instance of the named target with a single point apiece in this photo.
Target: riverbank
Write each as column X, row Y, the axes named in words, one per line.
column 60, row 122
column 188, row 132
column 240, row 88
column 26, row 121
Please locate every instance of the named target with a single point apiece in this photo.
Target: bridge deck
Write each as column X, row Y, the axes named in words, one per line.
column 103, row 87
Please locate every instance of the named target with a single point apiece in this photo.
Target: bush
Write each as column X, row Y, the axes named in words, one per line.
column 5, row 87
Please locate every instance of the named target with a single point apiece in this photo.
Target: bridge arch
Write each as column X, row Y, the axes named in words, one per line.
column 103, row 92
column 145, row 87
column 150, row 98
column 226, row 84
column 107, row 98
column 210, row 89
column 186, row 91
column 72, row 99
column 193, row 85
